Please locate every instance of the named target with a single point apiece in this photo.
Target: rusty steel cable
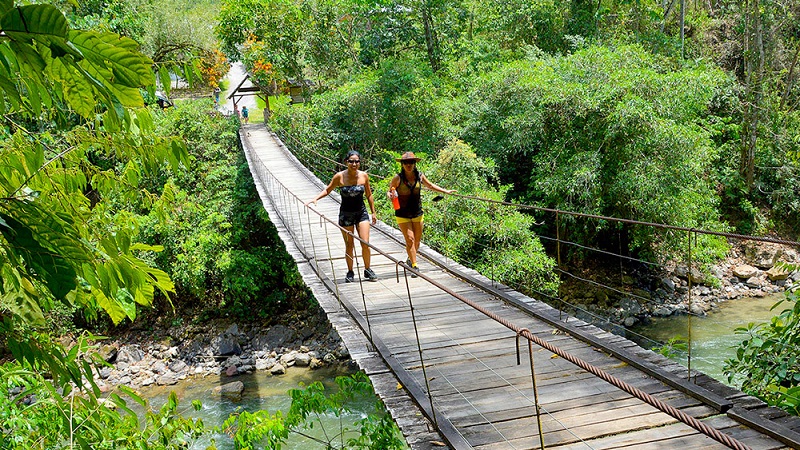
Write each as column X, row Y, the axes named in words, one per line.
column 641, row 395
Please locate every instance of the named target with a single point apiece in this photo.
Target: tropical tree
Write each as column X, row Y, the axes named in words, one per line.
column 270, row 29
column 176, row 34
column 75, row 132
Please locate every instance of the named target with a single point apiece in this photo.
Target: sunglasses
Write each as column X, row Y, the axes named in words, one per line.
column 411, row 163
column 353, row 161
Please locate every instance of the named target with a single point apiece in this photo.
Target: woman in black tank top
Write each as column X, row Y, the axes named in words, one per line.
column 406, row 186
column 353, row 186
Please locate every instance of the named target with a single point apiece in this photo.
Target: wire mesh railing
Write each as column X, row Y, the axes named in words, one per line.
column 304, row 227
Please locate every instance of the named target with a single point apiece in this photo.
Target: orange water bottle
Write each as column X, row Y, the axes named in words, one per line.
column 395, row 200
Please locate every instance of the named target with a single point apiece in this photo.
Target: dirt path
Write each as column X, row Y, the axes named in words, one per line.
column 234, row 77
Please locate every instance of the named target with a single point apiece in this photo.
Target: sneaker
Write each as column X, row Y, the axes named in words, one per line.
column 350, row 277
column 414, row 270
column 370, row 275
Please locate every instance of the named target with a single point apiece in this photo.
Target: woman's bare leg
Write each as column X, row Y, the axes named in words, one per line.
column 363, row 233
column 349, row 249
column 408, row 233
column 417, row 229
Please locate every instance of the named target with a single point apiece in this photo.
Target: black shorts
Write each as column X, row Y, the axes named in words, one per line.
column 348, row 219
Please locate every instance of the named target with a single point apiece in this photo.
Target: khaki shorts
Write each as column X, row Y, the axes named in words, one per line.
column 417, row 219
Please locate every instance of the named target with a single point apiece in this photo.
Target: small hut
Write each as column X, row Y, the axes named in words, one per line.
column 298, row 90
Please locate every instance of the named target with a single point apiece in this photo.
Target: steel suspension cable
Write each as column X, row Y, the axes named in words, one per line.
column 641, row 395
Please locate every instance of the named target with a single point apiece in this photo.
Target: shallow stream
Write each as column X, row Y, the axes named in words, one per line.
column 713, row 338
column 262, row 391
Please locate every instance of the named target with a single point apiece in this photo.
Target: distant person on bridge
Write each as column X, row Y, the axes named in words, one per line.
column 407, row 188
column 245, row 114
column 353, row 184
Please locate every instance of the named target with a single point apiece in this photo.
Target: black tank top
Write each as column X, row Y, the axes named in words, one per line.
column 410, row 196
column 352, row 198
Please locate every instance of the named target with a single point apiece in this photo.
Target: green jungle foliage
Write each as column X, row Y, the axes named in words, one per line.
column 75, row 134
column 34, row 413
column 86, row 171
column 219, row 245
column 767, row 362
column 606, row 131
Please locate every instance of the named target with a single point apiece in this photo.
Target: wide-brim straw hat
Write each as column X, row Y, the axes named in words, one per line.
column 408, row 156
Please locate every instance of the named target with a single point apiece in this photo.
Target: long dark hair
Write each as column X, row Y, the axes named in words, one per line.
column 403, row 178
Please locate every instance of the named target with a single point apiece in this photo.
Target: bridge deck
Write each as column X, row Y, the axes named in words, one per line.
column 468, row 380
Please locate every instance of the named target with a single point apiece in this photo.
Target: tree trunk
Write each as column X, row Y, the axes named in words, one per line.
column 753, row 78
column 431, row 42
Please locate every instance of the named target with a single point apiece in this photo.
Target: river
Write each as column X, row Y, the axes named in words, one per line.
column 713, row 338
column 262, row 391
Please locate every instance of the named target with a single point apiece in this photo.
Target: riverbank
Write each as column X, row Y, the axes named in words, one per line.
column 751, row 270
column 164, row 353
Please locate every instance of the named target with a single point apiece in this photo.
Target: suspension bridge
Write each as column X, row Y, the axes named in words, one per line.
column 463, row 362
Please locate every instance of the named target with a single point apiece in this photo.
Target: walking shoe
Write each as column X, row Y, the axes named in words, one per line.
column 350, row 277
column 414, row 270
column 370, row 275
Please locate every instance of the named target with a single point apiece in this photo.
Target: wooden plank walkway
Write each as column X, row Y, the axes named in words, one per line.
column 464, row 388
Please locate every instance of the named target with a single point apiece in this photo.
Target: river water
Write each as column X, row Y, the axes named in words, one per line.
column 713, row 342
column 713, row 338
column 262, row 391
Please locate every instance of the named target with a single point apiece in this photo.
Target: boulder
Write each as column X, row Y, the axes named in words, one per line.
column 695, row 276
column 762, row 255
column 230, row 390
column 776, row 273
column 166, row 380
column 129, row 354
column 302, row 360
column 228, row 345
column 745, row 271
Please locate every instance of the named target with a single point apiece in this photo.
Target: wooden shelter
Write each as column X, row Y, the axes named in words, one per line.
column 242, row 91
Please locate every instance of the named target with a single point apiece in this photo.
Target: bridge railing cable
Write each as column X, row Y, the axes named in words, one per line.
column 621, row 292
column 292, row 216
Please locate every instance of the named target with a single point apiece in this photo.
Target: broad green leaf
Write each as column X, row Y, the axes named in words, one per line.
column 144, row 120
column 148, row 248
column 188, row 73
column 78, row 91
column 8, row 59
column 31, row 62
column 24, row 305
column 31, row 21
column 132, row 394
column 5, row 6
column 33, row 97
column 117, row 55
column 11, row 91
column 112, row 308
column 164, row 78
column 56, row 273
column 127, row 303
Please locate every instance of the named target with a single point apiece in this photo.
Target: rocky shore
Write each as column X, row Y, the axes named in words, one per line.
column 146, row 357
column 751, row 270
column 171, row 353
